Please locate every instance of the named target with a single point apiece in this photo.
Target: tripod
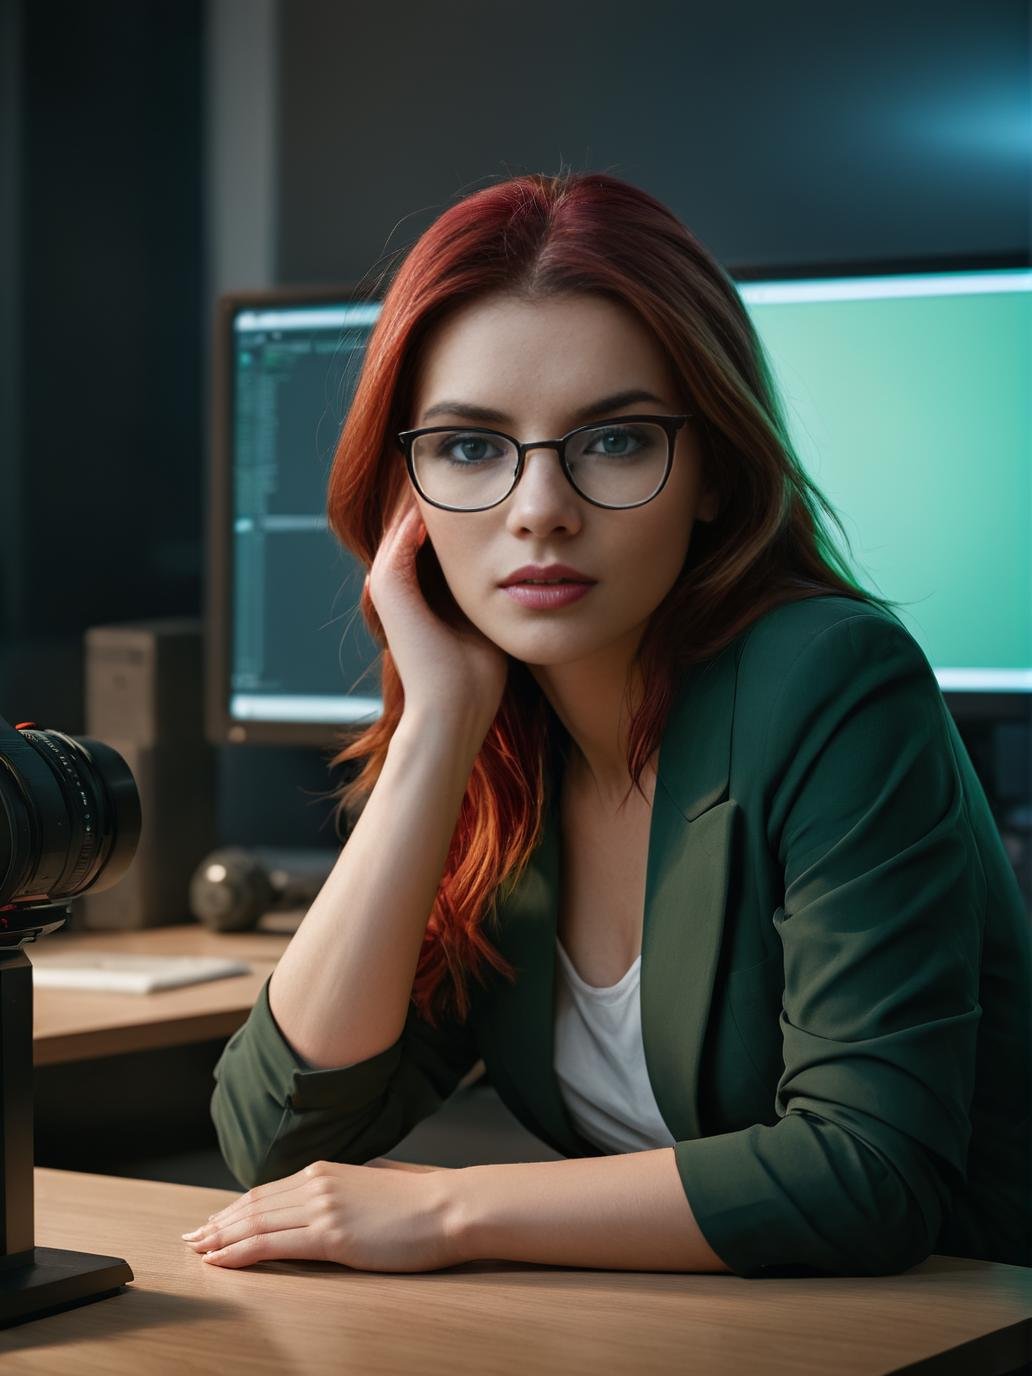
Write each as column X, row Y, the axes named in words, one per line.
column 34, row 1281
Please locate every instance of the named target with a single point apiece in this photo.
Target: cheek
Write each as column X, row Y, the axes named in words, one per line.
column 655, row 553
column 466, row 570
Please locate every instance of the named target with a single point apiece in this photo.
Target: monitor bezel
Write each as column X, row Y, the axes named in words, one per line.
column 221, row 727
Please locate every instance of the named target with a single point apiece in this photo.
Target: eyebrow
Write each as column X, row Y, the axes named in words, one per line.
column 616, row 402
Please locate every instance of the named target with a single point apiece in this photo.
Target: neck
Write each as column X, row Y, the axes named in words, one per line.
column 592, row 700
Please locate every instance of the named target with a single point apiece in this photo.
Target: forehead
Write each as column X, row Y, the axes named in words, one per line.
column 509, row 353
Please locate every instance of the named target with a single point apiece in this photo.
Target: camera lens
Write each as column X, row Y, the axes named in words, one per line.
column 69, row 815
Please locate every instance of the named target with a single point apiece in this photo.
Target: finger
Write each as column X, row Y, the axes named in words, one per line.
column 270, row 1199
column 411, row 517
column 226, row 1228
column 213, row 1237
column 405, row 508
column 398, row 549
column 301, row 1243
column 396, row 535
column 299, row 1184
column 259, row 1193
column 406, row 532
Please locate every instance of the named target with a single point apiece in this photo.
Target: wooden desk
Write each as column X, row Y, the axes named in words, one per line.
column 182, row 1314
column 79, row 1025
column 125, row 1077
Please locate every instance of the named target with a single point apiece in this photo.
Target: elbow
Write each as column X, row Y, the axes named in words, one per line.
column 261, row 1139
column 809, row 1196
column 244, row 1137
column 881, row 1213
column 896, row 1237
column 910, row 1217
column 891, row 1256
column 917, row 1240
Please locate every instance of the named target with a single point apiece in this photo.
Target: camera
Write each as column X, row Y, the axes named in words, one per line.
column 69, row 822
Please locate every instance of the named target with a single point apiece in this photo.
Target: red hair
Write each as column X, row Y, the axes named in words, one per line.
column 533, row 237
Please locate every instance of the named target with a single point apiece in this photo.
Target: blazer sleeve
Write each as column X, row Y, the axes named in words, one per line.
column 274, row 1113
column 881, row 931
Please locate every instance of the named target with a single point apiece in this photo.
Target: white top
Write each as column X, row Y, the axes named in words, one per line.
column 600, row 1061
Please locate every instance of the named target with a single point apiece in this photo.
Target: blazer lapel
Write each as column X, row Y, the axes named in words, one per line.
column 691, row 838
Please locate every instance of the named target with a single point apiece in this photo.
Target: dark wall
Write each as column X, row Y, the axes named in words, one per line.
column 778, row 134
column 104, row 158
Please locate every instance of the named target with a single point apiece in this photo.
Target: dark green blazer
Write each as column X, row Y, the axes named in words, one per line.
column 836, row 976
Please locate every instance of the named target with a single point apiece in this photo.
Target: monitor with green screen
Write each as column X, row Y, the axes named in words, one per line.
column 909, row 402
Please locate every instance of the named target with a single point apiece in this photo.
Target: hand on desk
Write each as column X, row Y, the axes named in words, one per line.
column 384, row 1216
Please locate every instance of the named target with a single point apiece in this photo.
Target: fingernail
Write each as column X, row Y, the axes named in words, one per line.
column 193, row 1234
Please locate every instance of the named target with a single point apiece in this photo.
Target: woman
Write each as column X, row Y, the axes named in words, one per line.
column 745, row 945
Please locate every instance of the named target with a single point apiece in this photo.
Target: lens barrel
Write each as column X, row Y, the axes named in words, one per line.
column 69, row 815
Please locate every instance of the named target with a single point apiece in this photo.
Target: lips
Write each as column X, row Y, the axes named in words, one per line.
column 545, row 573
column 543, row 598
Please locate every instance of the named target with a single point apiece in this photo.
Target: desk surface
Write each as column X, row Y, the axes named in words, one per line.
column 77, row 1025
column 182, row 1314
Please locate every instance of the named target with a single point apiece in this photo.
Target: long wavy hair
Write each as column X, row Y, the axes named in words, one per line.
column 533, row 237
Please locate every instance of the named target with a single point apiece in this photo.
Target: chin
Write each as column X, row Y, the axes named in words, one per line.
column 549, row 645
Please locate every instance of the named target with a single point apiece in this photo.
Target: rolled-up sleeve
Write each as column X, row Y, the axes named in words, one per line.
column 273, row 1113
column 881, row 930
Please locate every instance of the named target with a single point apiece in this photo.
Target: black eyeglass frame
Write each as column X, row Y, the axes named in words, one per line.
column 670, row 424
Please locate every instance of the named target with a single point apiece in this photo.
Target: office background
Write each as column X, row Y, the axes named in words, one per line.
column 159, row 155
column 154, row 156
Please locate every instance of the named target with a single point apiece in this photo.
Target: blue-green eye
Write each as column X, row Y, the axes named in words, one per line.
column 448, row 442
column 622, row 433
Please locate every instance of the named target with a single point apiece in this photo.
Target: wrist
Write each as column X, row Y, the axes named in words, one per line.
column 461, row 1224
column 453, row 732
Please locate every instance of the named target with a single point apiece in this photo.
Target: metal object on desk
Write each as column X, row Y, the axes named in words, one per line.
column 235, row 888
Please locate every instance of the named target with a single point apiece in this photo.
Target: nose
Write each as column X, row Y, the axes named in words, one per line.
column 543, row 497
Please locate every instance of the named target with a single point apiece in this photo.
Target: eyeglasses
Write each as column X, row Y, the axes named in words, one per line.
column 617, row 463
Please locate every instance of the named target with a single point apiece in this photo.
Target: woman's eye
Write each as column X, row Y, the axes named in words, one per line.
column 620, row 436
column 465, row 444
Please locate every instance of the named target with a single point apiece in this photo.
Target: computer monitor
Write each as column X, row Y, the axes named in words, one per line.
column 906, row 395
column 289, row 659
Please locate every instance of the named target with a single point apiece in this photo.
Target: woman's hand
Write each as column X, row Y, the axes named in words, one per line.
column 440, row 668
column 365, row 1217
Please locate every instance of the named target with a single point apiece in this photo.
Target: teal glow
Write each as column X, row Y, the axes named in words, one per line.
column 909, row 401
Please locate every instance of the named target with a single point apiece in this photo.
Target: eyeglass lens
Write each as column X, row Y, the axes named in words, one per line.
column 616, row 465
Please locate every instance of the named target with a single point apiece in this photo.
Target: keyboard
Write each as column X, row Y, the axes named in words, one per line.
column 118, row 973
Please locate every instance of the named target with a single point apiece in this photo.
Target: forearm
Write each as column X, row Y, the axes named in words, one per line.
column 383, row 1163
column 340, row 991
column 627, row 1212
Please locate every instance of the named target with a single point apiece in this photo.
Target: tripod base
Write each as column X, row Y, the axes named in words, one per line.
column 56, row 1280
